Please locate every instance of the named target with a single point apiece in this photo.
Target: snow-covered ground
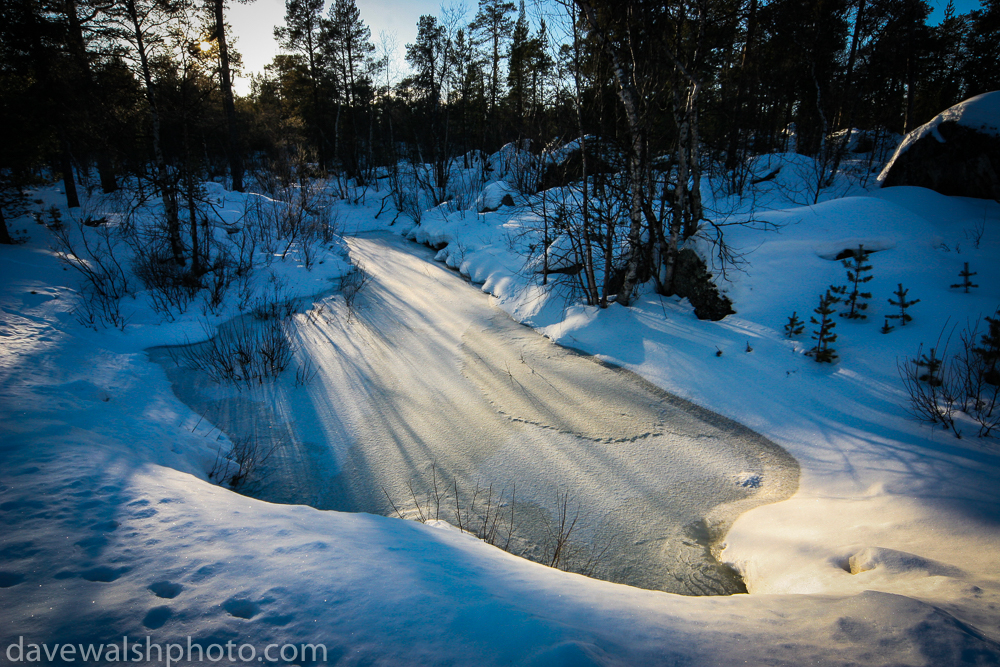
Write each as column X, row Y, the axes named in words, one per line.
column 887, row 553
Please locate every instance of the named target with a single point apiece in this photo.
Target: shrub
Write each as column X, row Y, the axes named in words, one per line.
column 98, row 258
column 353, row 283
column 939, row 385
column 244, row 353
column 242, row 465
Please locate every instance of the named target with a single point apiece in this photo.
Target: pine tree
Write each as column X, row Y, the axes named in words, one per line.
column 902, row 304
column 347, row 49
column 494, row 25
column 990, row 350
column 886, row 328
column 302, row 35
column 824, row 335
column 794, row 326
column 855, row 300
column 965, row 274
column 427, row 58
column 228, row 103
column 347, row 44
column 932, row 365
column 518, row 64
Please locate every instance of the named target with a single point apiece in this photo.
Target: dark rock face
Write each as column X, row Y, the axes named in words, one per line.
column 692, row 280
column 600, row 159
column 967, row 164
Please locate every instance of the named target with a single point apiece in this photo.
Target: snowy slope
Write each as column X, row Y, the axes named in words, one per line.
column 886, row 555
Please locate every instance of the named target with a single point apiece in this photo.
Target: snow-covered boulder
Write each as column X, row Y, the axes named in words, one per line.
column 957, row 153
column 495, row 195
column 566, row 164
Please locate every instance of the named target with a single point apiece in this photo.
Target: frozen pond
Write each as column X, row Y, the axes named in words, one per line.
column 430, row 382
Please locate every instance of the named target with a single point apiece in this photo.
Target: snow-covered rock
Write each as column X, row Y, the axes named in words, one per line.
column 495, row 195
column 957, row 153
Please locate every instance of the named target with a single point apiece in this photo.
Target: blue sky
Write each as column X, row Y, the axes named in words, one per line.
column 253, row 24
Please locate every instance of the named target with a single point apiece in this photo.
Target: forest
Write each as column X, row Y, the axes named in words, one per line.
column 140, row 93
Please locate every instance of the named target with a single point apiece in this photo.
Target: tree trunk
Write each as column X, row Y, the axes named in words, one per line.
column 842, row 122
column 734, row 133
column 588, row 252
column 629, row 97
column 168, row 193
column 78, row 48
column 911, row 74
column 228, row 105
column 314, row 76
column 66, row 166
column 193, row 218
column 5, row 237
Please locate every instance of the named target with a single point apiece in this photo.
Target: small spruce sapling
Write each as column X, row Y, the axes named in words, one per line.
column 965, row 274
column 989, row 353
column 886, row 328
column 856, row 300
column 932, row 367
column 824, row 335
column 795, row 326
column 902, row 304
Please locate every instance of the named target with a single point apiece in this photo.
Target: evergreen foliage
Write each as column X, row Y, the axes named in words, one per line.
column 930, row 363
column 142, row 89
column 794, row 326
column 824, row 336
column 856, row 300
column 902, row 303
column 965, row 274
column 988, row 350
column 941, row 385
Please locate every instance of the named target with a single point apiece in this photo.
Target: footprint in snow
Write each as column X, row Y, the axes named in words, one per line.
column 22, row 504
column 18, row 550
column 241, row 608
column 166, row 589
column 106, row 526
column 103, row 574
column 157, row 617
column 8, row 579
